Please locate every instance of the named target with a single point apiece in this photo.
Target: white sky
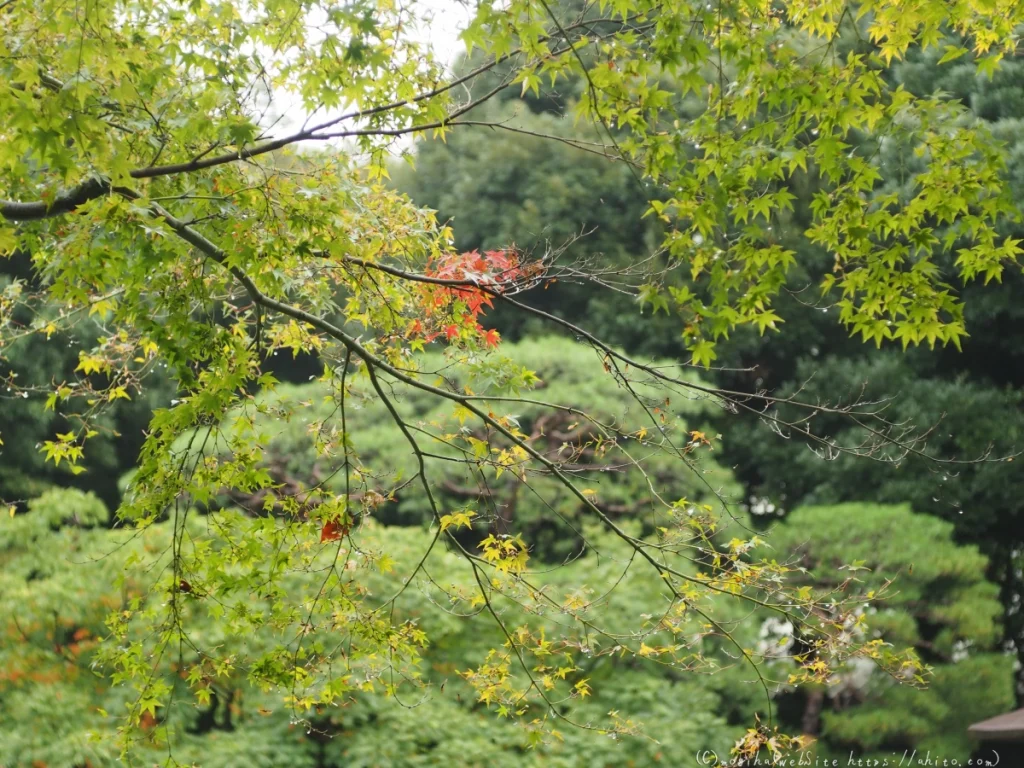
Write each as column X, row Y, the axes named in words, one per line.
column 444, row 20
column 449, row 18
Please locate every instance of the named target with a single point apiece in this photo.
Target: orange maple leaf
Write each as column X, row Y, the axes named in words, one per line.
column 333, row 531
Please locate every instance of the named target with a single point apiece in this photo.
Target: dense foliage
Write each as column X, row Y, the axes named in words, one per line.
column 969, row 396
column 180, row 244
column 58, row 711
column 538, row 508
column 938, row 601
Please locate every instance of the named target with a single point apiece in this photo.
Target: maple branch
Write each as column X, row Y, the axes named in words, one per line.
column 94, row 188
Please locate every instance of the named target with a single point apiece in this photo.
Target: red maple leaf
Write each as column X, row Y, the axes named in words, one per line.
column 451, row 331
column 333, row 531
column 492, row 337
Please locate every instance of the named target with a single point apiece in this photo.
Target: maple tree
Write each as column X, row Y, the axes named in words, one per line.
column 144, row 171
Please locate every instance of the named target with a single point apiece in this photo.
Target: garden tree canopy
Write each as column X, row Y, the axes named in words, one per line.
column 940, row 604
column 56, row 711
column 143, row 174
column 971, row 418
column 54, row 707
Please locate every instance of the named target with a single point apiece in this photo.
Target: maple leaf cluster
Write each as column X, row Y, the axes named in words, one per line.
column 453, row 310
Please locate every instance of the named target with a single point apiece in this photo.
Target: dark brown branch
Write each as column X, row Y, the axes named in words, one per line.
column 65, row 202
